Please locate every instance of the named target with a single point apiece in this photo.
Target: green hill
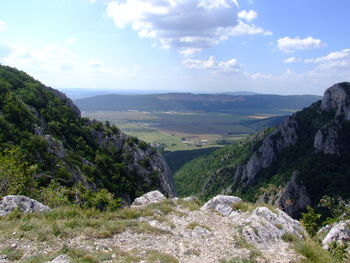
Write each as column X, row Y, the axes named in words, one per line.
column 45, row 144
column 196, row 102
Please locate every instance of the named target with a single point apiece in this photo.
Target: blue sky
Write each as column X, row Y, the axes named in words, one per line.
column 266, row 46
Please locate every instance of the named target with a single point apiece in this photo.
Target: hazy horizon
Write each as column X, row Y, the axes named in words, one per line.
column 199, row 46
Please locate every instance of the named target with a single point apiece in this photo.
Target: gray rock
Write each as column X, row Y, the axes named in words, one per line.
column 23, row 203
column 339, row 233
column 326, row 138
column 294, row 197
column 3, row 259
column 60, row 259
column 55, row 146
column 149, row 198
column 199, row 231
column 284, row 136
column 264, row 227
column 337, row 99
column 190, row 199
column 222, row 203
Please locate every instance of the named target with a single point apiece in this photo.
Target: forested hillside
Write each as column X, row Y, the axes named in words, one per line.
column 49, row 152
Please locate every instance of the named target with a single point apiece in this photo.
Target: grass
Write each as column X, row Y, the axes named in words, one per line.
column 67, row 222
column 12, row 254
column 193, row 225
column 249, row 207
column 190, row 205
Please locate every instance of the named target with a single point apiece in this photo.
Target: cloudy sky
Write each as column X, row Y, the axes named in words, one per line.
column 266, row 46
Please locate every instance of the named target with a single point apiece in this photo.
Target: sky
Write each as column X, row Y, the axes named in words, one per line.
column 265, row 46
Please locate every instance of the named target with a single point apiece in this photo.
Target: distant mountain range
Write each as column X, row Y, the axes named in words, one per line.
column 225, row 103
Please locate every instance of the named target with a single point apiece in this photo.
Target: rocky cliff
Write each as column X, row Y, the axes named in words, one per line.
column 292, row 165
column 45, row 128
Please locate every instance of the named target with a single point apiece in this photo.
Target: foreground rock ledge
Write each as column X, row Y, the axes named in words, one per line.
column 22, row 203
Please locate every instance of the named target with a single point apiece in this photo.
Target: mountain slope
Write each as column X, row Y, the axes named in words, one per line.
column 293, row 166
column 43, row 128
column 195, row 102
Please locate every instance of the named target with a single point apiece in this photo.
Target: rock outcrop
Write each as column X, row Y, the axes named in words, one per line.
column 149, row 198
column 339, row 234
column 264, row 227
column 22, row 203
column 284, row 136
column 326, row 139
column 337, row 99
column 222, row 204
column 294, row 197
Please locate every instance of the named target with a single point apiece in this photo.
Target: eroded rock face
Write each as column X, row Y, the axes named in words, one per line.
column 284, row 136
column 326, row 138
column 294, row 197
column 339, row 233
column 337, row 98
column 264, row 227
column 23, row 203
column 55, row 146
column 222, row 204
column 149, row 198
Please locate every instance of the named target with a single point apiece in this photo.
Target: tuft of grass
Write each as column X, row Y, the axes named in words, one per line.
column 12, row 254
column 190, row 205
column 249, row 207
column 290, row 238
column 155, row 256
column 313, row 252
column 252, row 258
column 193, row 225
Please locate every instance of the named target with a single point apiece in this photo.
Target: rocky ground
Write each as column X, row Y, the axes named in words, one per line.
column 153, row 230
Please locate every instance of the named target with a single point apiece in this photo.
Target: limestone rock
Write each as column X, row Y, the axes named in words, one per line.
column 190, row 199
column 23, row 203
column 55, row 146
column 284, row 136
column 265, row 227
column 3, row 259
column 337, row 98
column 326, row 138
column 294, row 198
column 339, row 233
column 149, row 198
column 221, row 203
column 60, row 259
column 199, row 231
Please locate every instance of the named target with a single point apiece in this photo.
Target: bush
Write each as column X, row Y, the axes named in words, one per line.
column 311, row 221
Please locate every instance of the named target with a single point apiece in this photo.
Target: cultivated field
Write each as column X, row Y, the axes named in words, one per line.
column 175, row 131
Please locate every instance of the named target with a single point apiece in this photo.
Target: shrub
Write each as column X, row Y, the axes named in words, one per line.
column 310, row 220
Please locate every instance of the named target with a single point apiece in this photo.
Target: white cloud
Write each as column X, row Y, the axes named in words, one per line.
column 2, row 26
column 51, row 57
column 185, row 25
column 71, row 40
column 95, row 63
column 287, row 44
column 246, row 29
column 212, row 64
column 248, row 15
column 292, row 60
column 338, row 55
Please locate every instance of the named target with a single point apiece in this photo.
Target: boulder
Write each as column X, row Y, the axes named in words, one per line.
column 23, row 203
column 222, row 203
column 149, row 198
column 60, row 259
column 265, row 227
column 339, row 233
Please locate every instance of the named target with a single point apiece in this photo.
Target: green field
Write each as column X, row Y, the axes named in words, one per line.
column 175, row 131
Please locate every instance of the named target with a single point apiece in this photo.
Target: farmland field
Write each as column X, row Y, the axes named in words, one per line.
column 175, row 131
